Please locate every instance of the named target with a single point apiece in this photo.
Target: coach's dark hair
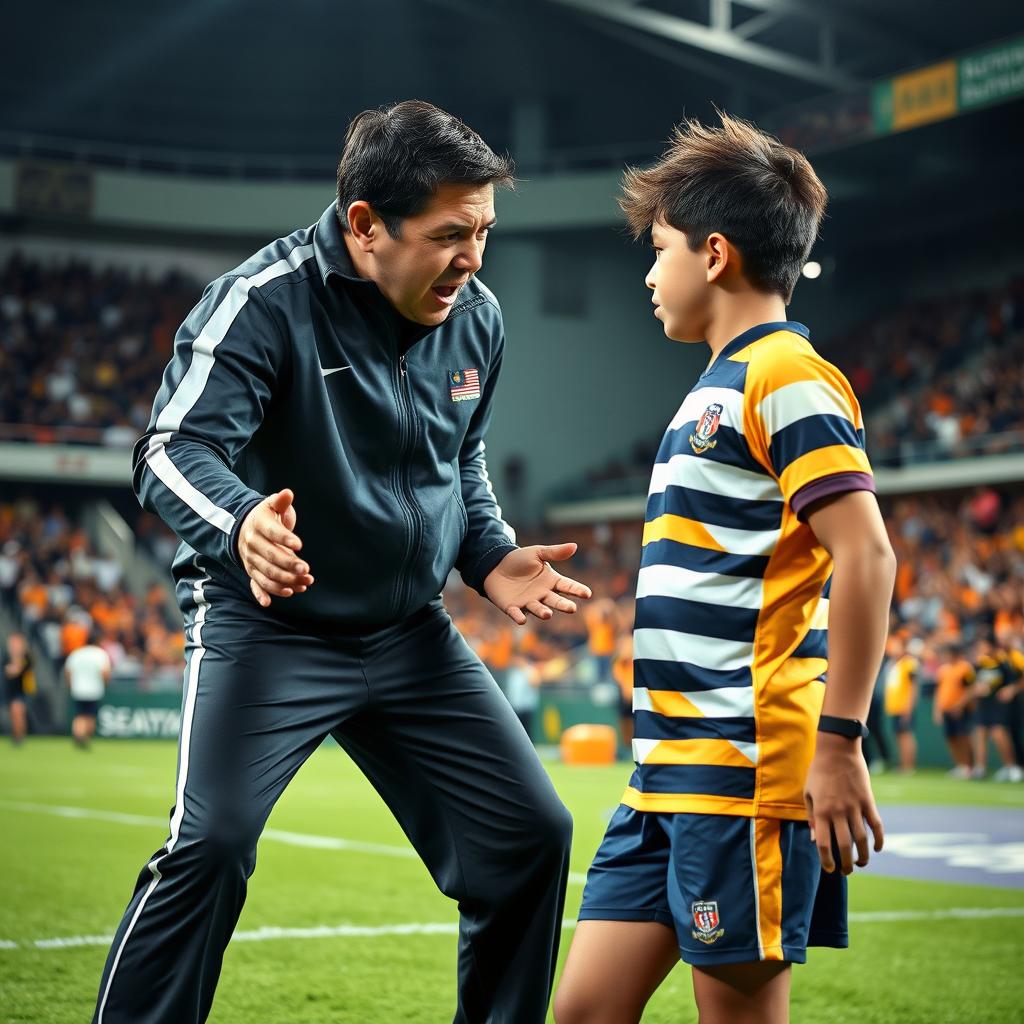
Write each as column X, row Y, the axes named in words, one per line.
column 764, row 197
column 396, row 157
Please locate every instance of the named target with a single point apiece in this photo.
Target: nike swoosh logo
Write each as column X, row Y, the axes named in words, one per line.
column 334, row 369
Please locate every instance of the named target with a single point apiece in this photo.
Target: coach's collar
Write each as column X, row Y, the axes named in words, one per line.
column 332, row 258
column 331, row 254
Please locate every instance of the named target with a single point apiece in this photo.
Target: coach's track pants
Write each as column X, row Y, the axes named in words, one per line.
column 420, row 715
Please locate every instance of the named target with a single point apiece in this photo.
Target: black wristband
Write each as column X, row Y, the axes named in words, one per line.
column 851, row 728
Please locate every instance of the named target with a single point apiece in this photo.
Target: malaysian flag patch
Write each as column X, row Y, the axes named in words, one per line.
column 465, row 384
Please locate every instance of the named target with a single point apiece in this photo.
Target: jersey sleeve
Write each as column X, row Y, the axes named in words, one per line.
column 803, row 423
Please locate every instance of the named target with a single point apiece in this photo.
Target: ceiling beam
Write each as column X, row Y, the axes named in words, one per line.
column 714, row 40
column 681, row 57
column 819, row 13
column 756, row 25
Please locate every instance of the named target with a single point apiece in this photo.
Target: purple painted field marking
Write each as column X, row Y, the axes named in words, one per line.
column 972, row 845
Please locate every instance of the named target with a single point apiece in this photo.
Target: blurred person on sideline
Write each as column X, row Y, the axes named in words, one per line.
column 349, row 370
column 18, row 683
column 901, row 687
column 994, row 688
column 1013, row 646
column 952, row 709
column 765, row 565
column 521, row 688
column 601, row 618
column 622, row 673
column 87, row 671
column 876, row 745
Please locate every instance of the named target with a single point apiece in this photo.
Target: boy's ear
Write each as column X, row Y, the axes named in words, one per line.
column 719, row 254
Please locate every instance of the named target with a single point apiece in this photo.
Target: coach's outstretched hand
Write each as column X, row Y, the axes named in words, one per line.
column 523, row 581
column 840, row 804
column 267, row 545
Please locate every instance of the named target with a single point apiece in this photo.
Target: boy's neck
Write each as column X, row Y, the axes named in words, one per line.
column 738, row 312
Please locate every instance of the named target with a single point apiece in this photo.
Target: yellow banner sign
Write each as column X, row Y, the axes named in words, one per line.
column 921, row 97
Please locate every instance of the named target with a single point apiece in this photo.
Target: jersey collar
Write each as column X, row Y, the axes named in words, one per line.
column 752, row 334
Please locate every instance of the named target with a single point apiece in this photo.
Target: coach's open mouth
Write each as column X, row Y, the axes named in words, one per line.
column 446, row 292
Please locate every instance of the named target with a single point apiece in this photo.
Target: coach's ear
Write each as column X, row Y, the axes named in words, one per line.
column 363, row 224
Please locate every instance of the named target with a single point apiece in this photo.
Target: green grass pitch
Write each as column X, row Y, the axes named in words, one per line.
column 69, row 874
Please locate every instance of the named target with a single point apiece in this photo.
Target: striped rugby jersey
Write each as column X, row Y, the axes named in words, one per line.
column 730, row 641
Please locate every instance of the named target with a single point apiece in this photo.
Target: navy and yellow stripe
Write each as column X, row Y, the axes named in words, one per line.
column 700, row 559
column 696, row 779
column 737, row 513
column 696, row 617
column 678, row 675
column 651, row 726
column 809, row 435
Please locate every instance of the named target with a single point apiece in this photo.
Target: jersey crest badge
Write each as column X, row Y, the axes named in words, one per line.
column 707, row 426
column 706, row 921
column 465, row 384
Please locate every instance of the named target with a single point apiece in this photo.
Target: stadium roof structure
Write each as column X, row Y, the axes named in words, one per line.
column 259, row 87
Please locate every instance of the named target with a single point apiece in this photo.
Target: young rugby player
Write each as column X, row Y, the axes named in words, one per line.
column 765, row 563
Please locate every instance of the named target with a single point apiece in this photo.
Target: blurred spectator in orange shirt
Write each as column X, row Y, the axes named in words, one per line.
column 952, row 708
column 74, row 633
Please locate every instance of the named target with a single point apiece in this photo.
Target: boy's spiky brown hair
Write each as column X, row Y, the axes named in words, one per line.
column 764, row 197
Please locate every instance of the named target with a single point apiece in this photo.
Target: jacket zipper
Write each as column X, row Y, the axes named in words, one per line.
column 404, row 489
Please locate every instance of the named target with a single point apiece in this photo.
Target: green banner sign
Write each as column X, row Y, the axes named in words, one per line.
column 992, row 75
column 131, row 715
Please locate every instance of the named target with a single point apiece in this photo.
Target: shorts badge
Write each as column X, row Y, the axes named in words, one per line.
column 706, row 921
column 707, row 425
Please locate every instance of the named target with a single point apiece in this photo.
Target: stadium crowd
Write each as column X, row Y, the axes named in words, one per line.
column 82, row 349
column 941, row 377
column 53, row 579
column 937, row 379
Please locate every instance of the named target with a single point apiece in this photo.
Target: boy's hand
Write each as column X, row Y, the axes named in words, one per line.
column 839, row 801
column 523, row 581
column 267, row 546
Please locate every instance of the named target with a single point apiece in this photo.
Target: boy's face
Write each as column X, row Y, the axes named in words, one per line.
column 679, row 281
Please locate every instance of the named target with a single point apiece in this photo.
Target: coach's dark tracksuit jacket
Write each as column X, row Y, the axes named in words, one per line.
column 294, row 372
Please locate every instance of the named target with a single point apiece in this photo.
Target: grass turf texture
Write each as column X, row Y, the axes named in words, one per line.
column 72, row 877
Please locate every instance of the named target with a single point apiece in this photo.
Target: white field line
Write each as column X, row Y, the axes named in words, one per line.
column 277, row 835
column 343, row 931
column 274, row 834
